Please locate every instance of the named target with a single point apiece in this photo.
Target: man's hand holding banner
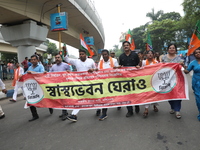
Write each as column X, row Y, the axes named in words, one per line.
column 106, row 88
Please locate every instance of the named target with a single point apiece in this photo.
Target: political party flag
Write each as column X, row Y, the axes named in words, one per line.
column 64, row 50
column 149, row 43
column 128, row 36
column 195, row 40
column 84, row 46
column 132, row 45
column 130, row 39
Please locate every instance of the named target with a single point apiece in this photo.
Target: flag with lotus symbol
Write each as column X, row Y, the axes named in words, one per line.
column 195, row 40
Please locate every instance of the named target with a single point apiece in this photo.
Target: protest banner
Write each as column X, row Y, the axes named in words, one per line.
column 106, row 88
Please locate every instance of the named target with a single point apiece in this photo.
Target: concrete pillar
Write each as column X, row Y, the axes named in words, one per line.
column 25, row 51
column 25, row 37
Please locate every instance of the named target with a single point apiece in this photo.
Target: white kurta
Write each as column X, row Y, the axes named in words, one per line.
column 106, row 64
column 17, row 86
column 80, row 66
column 2, row 85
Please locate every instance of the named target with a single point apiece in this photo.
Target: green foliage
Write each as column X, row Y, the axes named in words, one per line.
column 52, row 49
column 154, row 15
column 166, row 28
column 192, row 14
column 45, row 55
column 117, row 50
column 171, row 15
column 162, row 32
column 9, row 57
column 138, row 34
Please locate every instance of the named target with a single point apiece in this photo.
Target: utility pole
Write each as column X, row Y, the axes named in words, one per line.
column 59, row 32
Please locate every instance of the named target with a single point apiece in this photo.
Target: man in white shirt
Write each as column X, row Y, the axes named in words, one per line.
column 81, row 64
column 2, row 85
column 106, row 62
column 18, row 72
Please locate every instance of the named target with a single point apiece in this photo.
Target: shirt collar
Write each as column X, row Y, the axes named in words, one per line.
column 36, row 65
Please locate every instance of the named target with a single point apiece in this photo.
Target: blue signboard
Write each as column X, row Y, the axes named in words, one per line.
column 89, row 40
column 99, row 51
column 59, row 21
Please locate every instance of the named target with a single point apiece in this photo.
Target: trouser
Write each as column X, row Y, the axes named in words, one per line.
column 75, row 111
column 1, row 111
column 129, row 108
column 16, row 90
column 64, row 112
column 175, row 105
column 34, row 111
column 104, row 111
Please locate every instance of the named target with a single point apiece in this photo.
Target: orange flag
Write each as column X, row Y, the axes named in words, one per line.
column 132, row 45
column 129, row 39
column 195, row 40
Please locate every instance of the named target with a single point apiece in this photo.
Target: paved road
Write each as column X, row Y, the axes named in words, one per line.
column 160, row 131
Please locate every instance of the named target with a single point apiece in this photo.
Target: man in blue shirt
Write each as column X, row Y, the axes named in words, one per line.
column 36, row 68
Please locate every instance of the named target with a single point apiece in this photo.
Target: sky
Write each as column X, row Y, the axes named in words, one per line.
column 120, row 15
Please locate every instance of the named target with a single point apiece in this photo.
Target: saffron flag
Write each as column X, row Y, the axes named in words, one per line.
column 84, row 46
column 130, row 39
column 132, row 45
column 195, row 40
column 149, row 43
column 64, row 51
column 106, row 88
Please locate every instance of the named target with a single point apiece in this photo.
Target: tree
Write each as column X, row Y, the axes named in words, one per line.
column 117, row 51
column 192, row 14
column 162, row 33
column 9, row 56
column 171, row 15
column 52, row 48
column 154, row 16
column 138, row 36
column 187, row 24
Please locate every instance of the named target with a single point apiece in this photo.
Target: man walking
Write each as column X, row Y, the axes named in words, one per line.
column 36, row 68
column 59, row 67
column 129, row 59
column 106, row 62
column 81, row 64
column 18, row 72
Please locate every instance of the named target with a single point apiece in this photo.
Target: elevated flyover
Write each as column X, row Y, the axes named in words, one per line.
column 32, row 19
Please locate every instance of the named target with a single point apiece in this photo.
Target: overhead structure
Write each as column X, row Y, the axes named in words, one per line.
column 82, row 18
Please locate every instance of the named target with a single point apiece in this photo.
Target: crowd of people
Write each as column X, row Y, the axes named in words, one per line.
column 127, row 59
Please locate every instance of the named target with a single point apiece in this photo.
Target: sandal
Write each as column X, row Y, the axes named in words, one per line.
column 145, row 114
column 178, row 115
column 155, row 108
column 171, row 111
